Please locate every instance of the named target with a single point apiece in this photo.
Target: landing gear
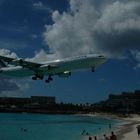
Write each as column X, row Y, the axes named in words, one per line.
column 93, row 70
column 49, row 79
column 37, row 76
column 34, row 78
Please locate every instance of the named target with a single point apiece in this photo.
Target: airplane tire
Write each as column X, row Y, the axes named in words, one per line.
column 34, row 78
column 39, row 76
column 47, row 81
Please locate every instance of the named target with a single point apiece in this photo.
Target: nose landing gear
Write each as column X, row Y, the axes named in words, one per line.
column 93, row 70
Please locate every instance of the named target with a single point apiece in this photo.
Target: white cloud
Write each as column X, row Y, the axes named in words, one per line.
column 8, row 53
column 40, row 6
column 136, row 55
column 119, row 17
column 7, row 86
column 110, row 27
column 41, row 56
column 13, row 88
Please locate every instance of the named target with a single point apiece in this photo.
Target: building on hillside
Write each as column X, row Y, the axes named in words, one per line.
column 125, row 102
column 120, row 103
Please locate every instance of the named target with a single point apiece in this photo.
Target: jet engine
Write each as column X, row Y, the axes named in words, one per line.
column 64, row 74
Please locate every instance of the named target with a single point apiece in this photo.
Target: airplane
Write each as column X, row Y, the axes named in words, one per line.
column 60, row 67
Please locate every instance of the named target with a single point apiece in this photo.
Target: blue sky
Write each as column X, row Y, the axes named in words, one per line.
column 41, row 29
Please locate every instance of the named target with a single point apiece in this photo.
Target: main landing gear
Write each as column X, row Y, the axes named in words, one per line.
column 50, row 76
column 37, row 77
column 49, row 79
column 34, row 78
column 41, row 77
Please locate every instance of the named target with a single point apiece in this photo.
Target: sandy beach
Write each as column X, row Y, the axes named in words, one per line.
column 129, row 131
column 124, row 131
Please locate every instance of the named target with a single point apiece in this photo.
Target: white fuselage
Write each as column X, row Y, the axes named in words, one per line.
column 57, row 66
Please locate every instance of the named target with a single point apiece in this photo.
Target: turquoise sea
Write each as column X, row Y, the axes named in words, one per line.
column 24, row 126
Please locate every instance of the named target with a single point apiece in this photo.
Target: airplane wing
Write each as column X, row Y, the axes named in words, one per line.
column 25, row 64
column 36, row 67
column 6, row 59
column 20, row 62
column 37, row 70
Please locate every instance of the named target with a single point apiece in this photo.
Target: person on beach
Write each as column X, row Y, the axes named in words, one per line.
column 90, row 138
column 138, row 130
column 105, row 137
column 95, row 138
column 113, row 136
